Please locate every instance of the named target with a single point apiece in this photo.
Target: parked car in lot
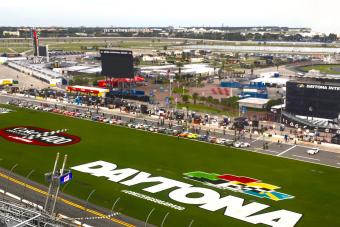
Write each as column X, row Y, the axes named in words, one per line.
column 192, row 136
column 161, row 130
column 220, row 140
column 228, row 142
column 153, row 129
column 313, row 151
column 77, row 114
column 113, row 121
column 184, row 134
column 95, row 118
column 239, row 144
column 203, row 138
column 131, row 125
column 212, row 139
column 106, row 120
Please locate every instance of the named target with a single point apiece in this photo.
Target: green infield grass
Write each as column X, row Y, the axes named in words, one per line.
column 327, row 69
column 316, row 188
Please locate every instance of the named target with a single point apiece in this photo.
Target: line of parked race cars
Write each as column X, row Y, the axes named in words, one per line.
column 188, row 135
column 146, row 126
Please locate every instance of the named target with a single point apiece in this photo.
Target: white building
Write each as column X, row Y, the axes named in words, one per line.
column 149, row 58
column 11, row 33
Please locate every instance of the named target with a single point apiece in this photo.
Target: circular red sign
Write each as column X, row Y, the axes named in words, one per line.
column 38, row 136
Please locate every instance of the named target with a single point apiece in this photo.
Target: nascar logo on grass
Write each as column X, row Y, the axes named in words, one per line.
column 38, row 136
column 246, row 185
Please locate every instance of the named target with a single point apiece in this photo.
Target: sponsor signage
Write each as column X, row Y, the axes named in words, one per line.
column 184, row 193
column 38, row 136
column 319, row 87
column 246, row 185
column 66, row 178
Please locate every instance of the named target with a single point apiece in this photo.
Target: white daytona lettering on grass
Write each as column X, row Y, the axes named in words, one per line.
column 208, row 200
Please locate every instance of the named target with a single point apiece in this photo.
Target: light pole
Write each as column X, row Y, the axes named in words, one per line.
column 24, row 190
column 311, row 111
column 250, row 129
column 9, row 176
column 113, row 206
column 192, row 221
column 65, row 186
column 147, row 218
column 164, row 219
column 87, row 202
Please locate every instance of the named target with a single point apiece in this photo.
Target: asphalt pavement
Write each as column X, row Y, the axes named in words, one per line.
column 67, row 205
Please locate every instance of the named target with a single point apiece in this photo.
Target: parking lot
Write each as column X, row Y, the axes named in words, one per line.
column 25, row 81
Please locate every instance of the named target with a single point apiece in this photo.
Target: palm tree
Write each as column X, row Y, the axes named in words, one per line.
column 210, row 99
column 214, row 63
column 202, row 98
column 195, row 97
column 277, row 63
column 179, row 65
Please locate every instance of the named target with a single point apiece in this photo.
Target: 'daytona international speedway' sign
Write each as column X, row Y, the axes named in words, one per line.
column 38, row 136
column 208, row 199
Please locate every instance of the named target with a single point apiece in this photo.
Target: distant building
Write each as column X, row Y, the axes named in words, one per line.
column 148, row 58
column 127, row 30
column 196, row 60
column 11, row 33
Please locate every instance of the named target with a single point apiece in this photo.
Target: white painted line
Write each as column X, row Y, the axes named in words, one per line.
column 264, row 151
column 275, row 152
column 13, row 196
column 283, row 152
column 306, row 157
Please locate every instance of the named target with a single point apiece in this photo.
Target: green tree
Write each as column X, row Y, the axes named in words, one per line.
column 185, row 98
column 210, row 99
column 231, row 102
column 215, row 64
column 195, row 97
column 332, row 37
column 277, row 63
column 274, row 102
column 202, row 98
column 179, row 65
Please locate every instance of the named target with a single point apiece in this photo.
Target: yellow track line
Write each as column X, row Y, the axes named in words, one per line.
column 66, row 201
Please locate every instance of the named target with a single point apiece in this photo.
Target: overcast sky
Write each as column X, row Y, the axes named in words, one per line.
column 320, row 15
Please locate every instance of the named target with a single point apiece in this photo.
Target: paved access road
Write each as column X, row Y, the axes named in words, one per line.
column 296, row 152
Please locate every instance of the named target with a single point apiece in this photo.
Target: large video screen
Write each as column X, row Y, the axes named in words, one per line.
column 117, row 63
column 43, row 51
column 313, row 99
